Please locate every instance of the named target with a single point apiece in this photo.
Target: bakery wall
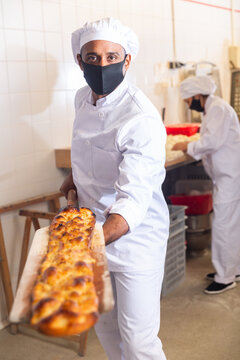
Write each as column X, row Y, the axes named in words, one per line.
column 38, row 80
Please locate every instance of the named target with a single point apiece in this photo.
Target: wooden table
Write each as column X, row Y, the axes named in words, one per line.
column 63, row 160
column 181, row 161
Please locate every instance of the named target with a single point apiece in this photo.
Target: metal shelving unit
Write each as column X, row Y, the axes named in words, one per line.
column 235, row 91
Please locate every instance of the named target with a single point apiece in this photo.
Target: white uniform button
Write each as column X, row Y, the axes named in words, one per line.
column 87, row 142
column 101, row 114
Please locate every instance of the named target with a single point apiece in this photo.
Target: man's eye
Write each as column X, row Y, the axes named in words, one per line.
column 112, row 57
column 91, row 58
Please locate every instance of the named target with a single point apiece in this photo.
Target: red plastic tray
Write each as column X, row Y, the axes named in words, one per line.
column 182, row 129
column 197, row 204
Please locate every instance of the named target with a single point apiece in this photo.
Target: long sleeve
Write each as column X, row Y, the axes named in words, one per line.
column 213, row 136
column 142, row 144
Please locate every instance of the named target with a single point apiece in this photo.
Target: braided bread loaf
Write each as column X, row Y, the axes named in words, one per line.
column 64, row 300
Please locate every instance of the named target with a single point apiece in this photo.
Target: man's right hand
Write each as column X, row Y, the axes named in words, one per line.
column 181, row 146
column 67, row 185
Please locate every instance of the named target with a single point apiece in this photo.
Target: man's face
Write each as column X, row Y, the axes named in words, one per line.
column 188, row 101
column 103, row 53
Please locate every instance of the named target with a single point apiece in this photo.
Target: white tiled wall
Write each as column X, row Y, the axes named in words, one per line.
column 38, row 79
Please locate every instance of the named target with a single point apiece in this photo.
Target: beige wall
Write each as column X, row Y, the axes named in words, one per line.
column 38, row 80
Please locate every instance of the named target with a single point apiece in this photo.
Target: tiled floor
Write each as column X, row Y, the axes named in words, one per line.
column 194, row 326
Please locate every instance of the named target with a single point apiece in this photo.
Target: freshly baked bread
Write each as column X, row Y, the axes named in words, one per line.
column 64, row 300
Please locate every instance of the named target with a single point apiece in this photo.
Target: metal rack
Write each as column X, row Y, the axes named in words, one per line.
column 174, row 271
column 235, row 90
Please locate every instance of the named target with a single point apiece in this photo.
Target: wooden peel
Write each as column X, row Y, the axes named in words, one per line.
column 20, row 311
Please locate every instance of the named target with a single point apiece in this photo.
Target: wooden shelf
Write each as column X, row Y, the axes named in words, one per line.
column 63, row 158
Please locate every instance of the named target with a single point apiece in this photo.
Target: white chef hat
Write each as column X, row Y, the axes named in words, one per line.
column 105, row 29
column 197, row 85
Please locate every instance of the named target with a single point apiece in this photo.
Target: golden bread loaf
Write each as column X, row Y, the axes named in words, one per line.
column 64, row 300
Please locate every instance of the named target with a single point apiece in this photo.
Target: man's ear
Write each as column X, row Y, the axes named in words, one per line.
column 79, row 58
column 127, row 61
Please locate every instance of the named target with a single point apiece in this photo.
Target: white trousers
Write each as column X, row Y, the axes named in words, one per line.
column 130, row 330
column 226, row 241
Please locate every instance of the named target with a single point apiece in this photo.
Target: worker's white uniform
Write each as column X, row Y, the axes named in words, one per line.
column 118, row 156
column 219, row 149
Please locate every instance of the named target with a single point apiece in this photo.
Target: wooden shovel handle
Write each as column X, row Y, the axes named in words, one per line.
column 71, row 197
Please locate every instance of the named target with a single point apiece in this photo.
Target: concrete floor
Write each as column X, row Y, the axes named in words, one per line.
column 194, row 326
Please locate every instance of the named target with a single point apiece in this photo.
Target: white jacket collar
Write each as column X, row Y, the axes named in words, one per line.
column 111, row 97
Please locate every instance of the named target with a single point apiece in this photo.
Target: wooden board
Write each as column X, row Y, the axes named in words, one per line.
column 21, row 307
column 181, row 160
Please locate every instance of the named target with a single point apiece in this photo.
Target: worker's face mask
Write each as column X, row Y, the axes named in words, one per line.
column 196, row 105
column 103, row 79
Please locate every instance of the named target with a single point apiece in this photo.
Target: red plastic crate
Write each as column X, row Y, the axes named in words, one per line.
column 197, row 204
column 182, row 129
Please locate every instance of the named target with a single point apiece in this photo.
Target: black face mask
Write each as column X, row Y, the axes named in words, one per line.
column 196, row 105
column 103, row 79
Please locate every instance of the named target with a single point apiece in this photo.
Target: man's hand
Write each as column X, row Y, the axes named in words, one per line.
column 181, row 146
column 67, row 185
column 114, row 227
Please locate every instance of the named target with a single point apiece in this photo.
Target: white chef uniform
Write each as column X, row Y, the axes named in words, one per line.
column 118, row 156
column 219, row 149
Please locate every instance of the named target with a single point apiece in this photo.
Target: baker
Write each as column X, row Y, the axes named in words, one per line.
column 118, row 156
column 219, row 149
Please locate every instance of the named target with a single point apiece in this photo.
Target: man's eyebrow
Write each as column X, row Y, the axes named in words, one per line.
column 113, row 53
column 109, row 53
